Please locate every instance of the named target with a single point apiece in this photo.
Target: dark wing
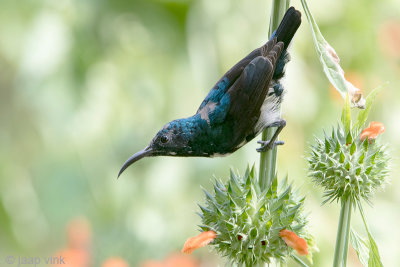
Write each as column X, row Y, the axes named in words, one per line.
column 215, row 106
column 248, row 92
column 218, row 91
column 285, row 32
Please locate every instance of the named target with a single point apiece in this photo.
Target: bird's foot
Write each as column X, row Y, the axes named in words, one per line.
column 267, row 145
column 270, row 144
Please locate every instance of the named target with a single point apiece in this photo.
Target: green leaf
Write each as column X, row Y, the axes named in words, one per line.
column 249, row 196
column 330, row 63
column 337, row 149
column 220, row 195
column 360, row 245
column 374, row 259
column 209, row 196
column 366, row 144
column 247, row 173
column 346, row 115
column 363, row 114
column 252, row 172
column 342, row 157
column 352, row 148
column 361, row 159
column 348, row 166
column 327, row 146
column 349, row 139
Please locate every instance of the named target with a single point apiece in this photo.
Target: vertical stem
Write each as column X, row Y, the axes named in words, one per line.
column 279, row 8
column 299, row 261
column 268, row 158
column 342, row 238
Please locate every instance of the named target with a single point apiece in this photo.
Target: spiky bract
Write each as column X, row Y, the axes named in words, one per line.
column 247, row 221
column 347, row 167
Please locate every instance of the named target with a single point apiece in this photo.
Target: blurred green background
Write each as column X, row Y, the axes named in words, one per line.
column 85, row 84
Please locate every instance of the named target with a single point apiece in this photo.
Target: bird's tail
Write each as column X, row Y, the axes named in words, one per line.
column 288, row 26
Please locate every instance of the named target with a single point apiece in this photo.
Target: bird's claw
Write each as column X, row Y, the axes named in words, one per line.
column 267, row 145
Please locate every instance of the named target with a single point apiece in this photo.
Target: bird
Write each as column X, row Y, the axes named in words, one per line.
column 243, row 103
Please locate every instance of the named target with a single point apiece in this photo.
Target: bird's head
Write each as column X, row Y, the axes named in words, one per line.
column 171, row 140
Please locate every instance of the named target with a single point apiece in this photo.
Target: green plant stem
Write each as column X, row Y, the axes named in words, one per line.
column 268, row 158
column 343, row 234
column 299, row 261
column 279, row 8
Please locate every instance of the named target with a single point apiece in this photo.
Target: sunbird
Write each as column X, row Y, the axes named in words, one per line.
column 243, row 103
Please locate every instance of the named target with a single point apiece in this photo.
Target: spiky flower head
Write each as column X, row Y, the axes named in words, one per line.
column 248, row 221
column 346, row 163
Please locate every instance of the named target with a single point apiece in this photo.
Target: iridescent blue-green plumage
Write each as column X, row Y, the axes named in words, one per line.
column 241, row 104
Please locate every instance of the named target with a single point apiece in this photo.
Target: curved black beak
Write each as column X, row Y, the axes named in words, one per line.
column 139, row 155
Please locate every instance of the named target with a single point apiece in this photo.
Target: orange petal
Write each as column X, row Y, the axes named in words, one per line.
column 115, row 262
column 374, row 129
column 73, row 258
column 389, row 38
column 198, row 241
column 151, row 263
column 79, row 234
column 180, row 260
column 293, row 241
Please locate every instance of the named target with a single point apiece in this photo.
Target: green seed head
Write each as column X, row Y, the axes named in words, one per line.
column 347, row 167
column 247, row 221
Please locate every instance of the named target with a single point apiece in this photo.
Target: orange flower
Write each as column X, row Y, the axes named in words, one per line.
column 389, row 38
column 198, row 241
column 115, row 262
column 77, row 252
column 293, row 241
column 374, row 129
column 79, row 233
column 71, row 258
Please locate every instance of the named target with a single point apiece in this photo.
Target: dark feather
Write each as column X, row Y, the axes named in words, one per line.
column 250, row 89
column 229, row 78
column 285, row 32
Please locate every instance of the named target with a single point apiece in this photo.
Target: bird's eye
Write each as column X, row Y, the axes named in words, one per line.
column 164, row 139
